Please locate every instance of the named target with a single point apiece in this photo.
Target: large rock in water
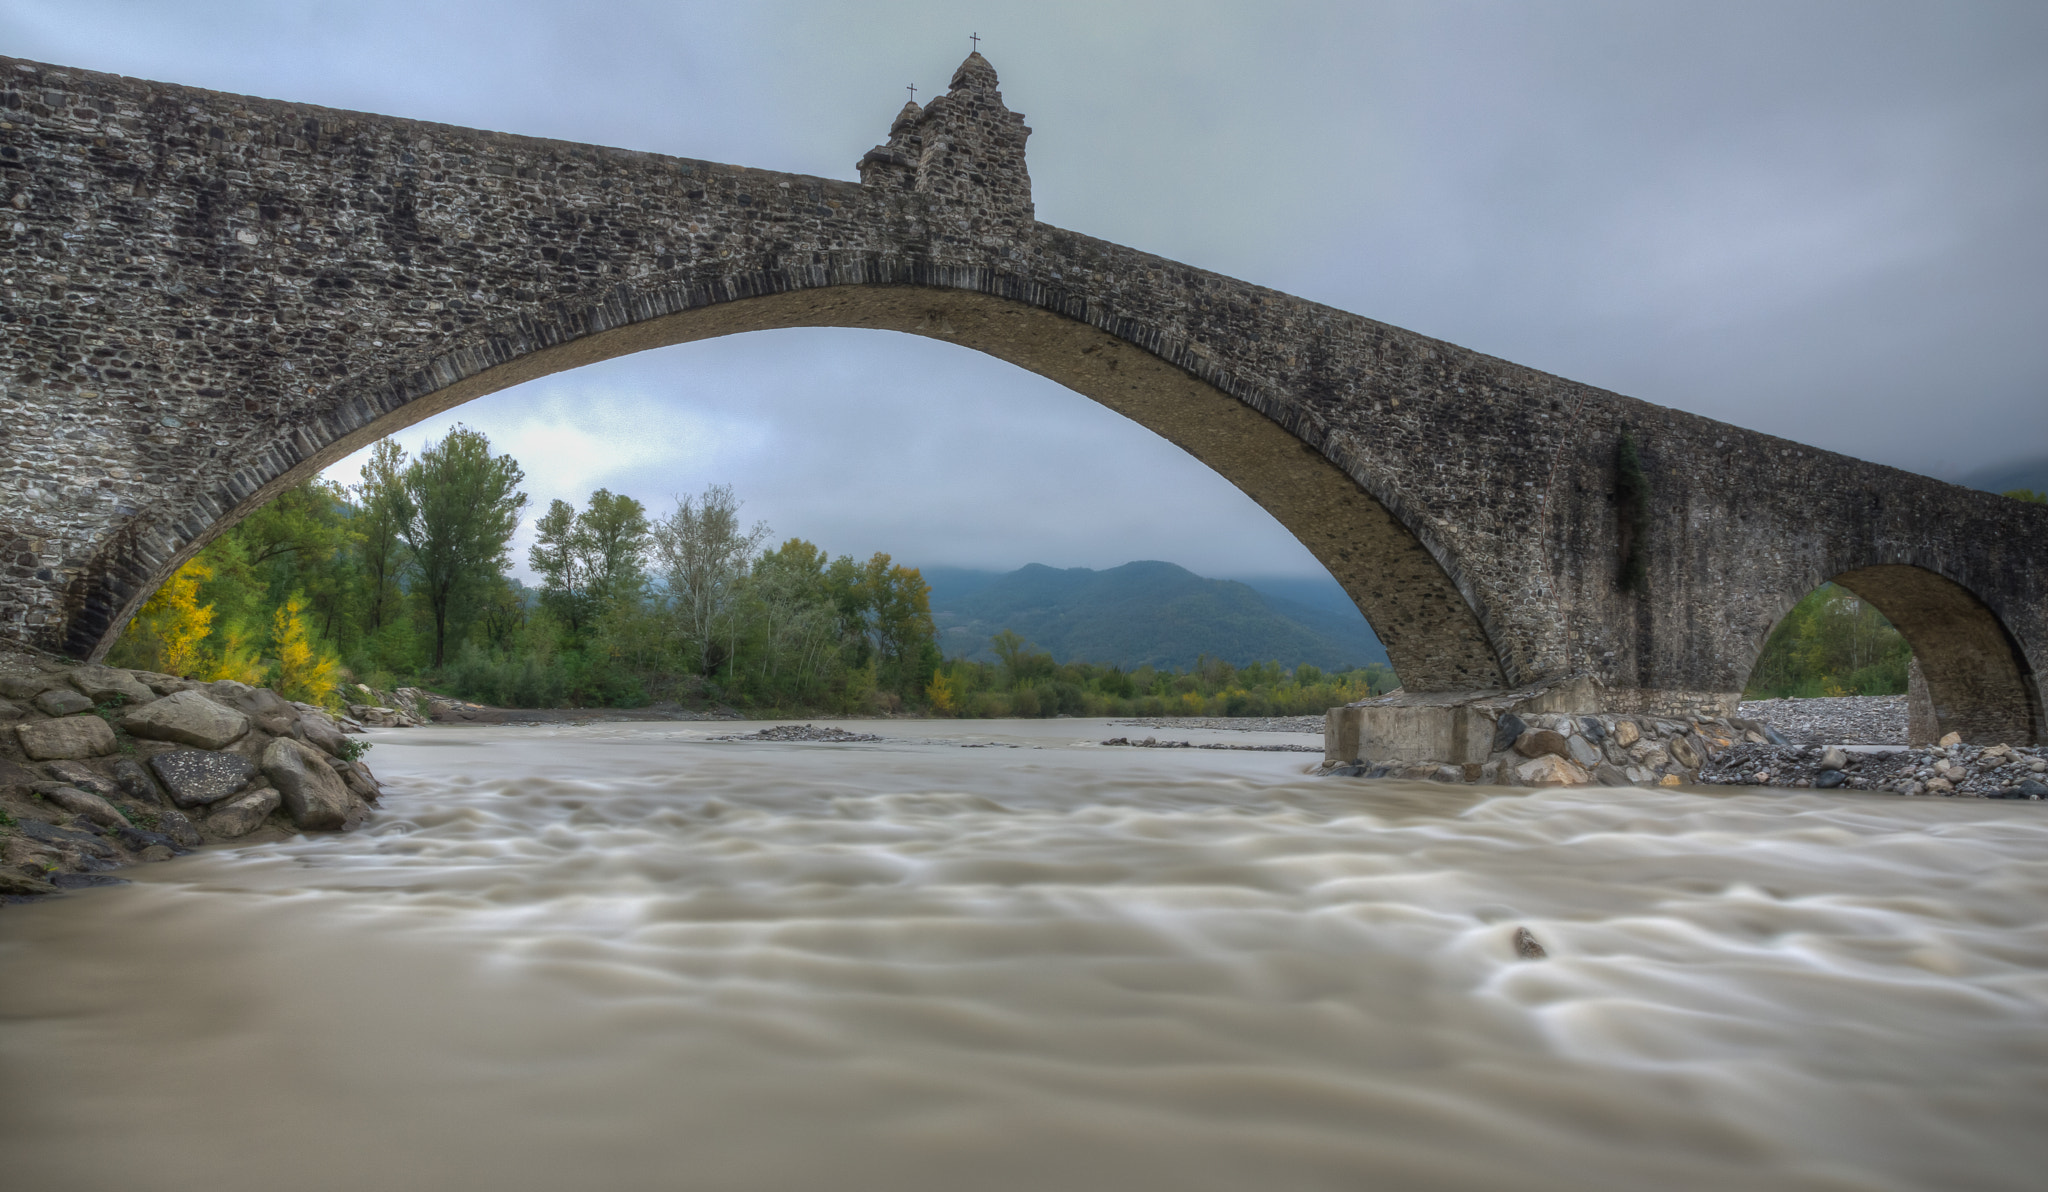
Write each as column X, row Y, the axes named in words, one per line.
column 196, row 777
column 312, row 792
column 188, row 718
column 70, row 737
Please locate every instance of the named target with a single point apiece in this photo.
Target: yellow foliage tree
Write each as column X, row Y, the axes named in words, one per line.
column 167, row 629
column 303, row 673
column 238, row 658
column 944, row 693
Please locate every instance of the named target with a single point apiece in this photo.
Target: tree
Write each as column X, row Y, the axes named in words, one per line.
column 704, row 555
column 2026, row 494
column 165, row 633
column 303, row 672
column 384, row 512
column 613, row 535
column 465, row 504
column 558, row 554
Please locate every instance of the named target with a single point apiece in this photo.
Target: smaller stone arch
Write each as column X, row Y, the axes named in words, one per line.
column 1977, row 675
column 1978, row 678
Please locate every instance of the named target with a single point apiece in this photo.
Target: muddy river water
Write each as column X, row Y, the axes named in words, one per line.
column 997, row 955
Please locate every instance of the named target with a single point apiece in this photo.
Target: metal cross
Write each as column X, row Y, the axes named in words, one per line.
column 976, row 39
column 912, row 88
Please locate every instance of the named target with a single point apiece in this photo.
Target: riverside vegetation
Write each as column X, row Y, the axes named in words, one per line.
column 404, row 579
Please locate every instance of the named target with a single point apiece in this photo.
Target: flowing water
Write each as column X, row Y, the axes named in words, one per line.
column 630, row 957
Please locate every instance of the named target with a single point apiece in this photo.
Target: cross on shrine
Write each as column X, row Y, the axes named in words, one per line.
column 976, row 39
column 912, row 88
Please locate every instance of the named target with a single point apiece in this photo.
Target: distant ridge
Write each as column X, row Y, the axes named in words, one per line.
column 1148, row 613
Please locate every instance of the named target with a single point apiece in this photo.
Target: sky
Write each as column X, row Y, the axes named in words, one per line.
column 1827, row 221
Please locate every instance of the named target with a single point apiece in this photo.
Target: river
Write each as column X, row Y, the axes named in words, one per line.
column 997, row 955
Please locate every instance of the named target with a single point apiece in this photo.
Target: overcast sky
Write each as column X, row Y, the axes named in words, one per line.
column 1824, row 220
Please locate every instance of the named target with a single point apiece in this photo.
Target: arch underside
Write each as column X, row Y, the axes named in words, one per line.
column 1977, row 676
column 1434, row 638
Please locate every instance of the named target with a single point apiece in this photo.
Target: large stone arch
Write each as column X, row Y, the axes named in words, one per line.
column 208, row 296
column 1407, row 587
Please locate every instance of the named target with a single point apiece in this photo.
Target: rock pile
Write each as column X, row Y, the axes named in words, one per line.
column 102, row 767
column 1950, row 769
column 1560, row 749
column 1834, row 720
column 1156, row 743
column 802, row 732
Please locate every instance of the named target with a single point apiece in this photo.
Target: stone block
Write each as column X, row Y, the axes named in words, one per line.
column 59, row 702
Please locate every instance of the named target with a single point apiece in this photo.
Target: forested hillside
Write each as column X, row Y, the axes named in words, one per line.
column 1143, row 614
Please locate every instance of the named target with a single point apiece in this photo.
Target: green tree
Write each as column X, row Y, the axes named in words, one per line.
column 384, row 510
column 558, row 554
column 465, row 506
column 614, row 536
column 2026, row 494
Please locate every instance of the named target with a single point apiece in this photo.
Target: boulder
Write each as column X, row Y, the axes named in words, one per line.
column 28, row 686
column 1591, row 726
column 318, row 728
column 174, row 825
column 106, row 682
column 59, row 702
column 1626, row 733
column 1506, row 731
column 84, row 778
column 196, row 777
column 16, row 779
column 67, row 737
column 312, row 793
column 1829, row 779
column 272, row 712
column 1549, row 769
column 188, row 718
column 1609, row 774
column 11, row 711
column 1584, row 753
column 242, row 814
column 134, row 781
column 20, row 883
column 1537, row 742
column 1834, row 757
column 84, row 803
column 1684, row 752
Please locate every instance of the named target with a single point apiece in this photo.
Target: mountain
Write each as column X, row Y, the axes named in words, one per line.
column 1148, row 613
column 2031, row 473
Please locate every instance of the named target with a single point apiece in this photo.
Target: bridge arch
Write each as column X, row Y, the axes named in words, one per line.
column 1977, row 675
column 1408, row 585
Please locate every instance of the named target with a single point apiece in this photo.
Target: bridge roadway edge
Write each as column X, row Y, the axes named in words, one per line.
column 1501, row 476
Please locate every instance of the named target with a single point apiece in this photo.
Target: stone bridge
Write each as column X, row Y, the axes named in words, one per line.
column 207, row 298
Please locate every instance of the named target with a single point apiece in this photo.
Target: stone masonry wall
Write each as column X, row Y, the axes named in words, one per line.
column 206, row 297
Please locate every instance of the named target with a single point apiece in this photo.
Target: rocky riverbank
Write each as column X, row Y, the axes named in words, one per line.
column 102, row 767
column 1951, row 769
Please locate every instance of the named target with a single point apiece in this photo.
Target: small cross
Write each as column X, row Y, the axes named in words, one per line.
column 912, row 88
column 976, row 39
